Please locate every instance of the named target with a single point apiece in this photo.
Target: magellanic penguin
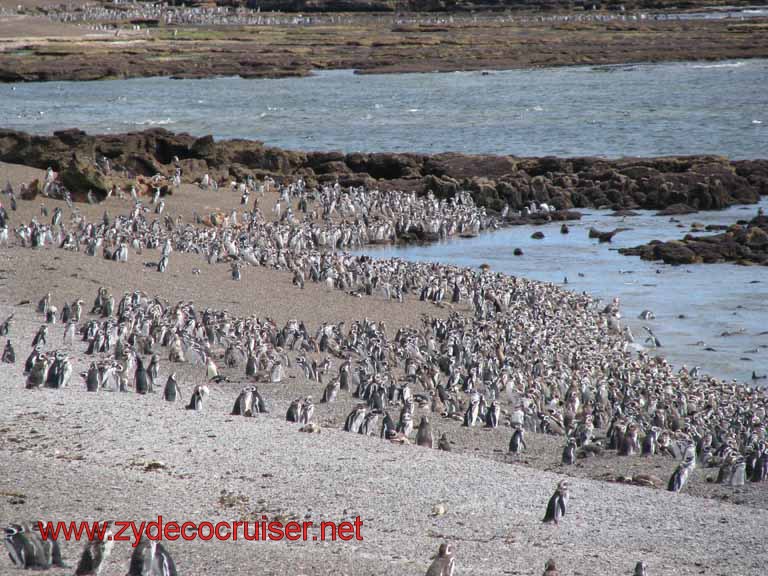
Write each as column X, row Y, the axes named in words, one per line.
column 517, row 442
column 424, row 435
column 680, row 476
column 9, row 354
column 550, row 568
column 150, row 558
column 569, row 452
column 557, row 503
column 199, row 394
column 444, row 562
column 244, row 403
column 307, row 411
column 294, row 411
column 140, row 377
column 27, row 548
column 95, row 555
column 640, row 569
column 92, row 378
column 444, row 444
column 39, row 372
column 172, row 389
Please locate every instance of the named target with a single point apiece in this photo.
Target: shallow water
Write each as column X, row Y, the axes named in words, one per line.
column 714, row 298
column 642, row 110
column 628, row 110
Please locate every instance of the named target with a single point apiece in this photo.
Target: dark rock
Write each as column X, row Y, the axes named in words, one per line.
column 744, row 244
column 604, row 236
column 80, row 177
column 676, row 210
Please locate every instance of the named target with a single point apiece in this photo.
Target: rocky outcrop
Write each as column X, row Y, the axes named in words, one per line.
column 698, row 182
column 744, row 243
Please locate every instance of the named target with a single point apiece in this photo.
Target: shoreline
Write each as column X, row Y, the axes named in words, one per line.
column 274, row 51
column 111, row 439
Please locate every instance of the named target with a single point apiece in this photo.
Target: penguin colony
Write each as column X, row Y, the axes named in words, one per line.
column 529, row 356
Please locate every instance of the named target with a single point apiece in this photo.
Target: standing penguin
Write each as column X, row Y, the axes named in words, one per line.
column 517, row 442
column 444, row 562
column 199, row 394
column 140, row 378
column 424, row 435
column 153, row 371
column 171, row 390
column 276, row 374
column 680, row 476
column 94, row 556
column 492, row 415
column 40, row 336
column 294, row 411
column 307, row 411
column 557, row 503
column 444, row 444
column 9, row 354
column 150, row 558
column 39, row 372
column 640, row 569
column 92, row 378
column 569, row 452
column 27, row 548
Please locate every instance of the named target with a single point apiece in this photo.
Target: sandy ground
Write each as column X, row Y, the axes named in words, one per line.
column 72, row 455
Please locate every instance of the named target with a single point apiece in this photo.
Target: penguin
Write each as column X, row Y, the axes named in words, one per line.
column 171, row 389
column 550, row 568
column 92, row 378
column 151, row 558
column 388, row 428
column 9, row 354
column 276, row 374
column 640, row 569
column 244, row 402
column 27, row 548
column 650, row 442
column 95, row 555
column 250, row 366
column 368, row 427
column 424, row 435
column 492, row 415
column 29, row 364
column 307, row 410
column 294, row 411
column 140, row 378
column 38, row 374
column 40, row 338
column 517, row 442
column 5, row 326
column 153, row 371
column 330, row 392
column 557, row 504
column 355, row 419
column 211, row 370
column 472, row 413
column 199, row 394
column 680, row 476
column 444, row 444
column 444, row 562
column 569, row 452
